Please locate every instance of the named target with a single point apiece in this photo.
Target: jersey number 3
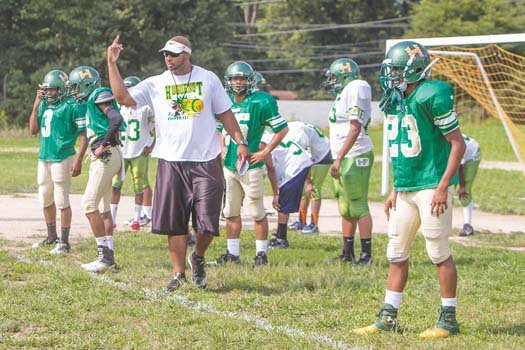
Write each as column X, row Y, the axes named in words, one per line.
column 411, row 147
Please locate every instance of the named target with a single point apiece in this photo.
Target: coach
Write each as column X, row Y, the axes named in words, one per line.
column 185, row 100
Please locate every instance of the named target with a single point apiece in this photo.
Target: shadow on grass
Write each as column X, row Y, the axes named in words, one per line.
column 511, row 329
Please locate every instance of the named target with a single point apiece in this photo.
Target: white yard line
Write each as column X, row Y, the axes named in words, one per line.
column 158, row 295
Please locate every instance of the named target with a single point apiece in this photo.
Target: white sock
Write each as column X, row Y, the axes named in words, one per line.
column 261, row 245
column 138, row 210
column 393, row 298
column 101, row 241
column 147, row 210
column 113, row 208
column 109, row 242
column 467, row 213
column 449, row 302
column 233, row 246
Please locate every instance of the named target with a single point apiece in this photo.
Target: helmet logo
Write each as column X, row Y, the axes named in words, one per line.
column 414, row 50
column 63, row 77
column 346, row 67
column 85, row 73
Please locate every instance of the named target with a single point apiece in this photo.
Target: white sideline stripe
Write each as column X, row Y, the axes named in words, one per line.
column 156, row 295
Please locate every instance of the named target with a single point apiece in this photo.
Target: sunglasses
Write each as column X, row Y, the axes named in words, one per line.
column 171, row 54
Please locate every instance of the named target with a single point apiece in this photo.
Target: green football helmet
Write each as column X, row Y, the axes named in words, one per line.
column 55, row 79
column 341, row 72
column 239, row 69
column 259, row 83
column 405, row 63
column 131, row 81
column 82, row 82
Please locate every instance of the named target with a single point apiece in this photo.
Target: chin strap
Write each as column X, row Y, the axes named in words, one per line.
column 390, row 97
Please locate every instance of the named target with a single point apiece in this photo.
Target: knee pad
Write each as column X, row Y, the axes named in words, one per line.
column 45, row 195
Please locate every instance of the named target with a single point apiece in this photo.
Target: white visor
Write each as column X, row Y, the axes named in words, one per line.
column 175, row 47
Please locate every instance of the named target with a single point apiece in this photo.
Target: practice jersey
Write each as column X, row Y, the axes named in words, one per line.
column 472, row 150
column 97, row 123
column 416, row 140
column 353, row 103
column 254, row 113
column 139, row 130
column 59, row 128
column 310, row 138
column 289, row 159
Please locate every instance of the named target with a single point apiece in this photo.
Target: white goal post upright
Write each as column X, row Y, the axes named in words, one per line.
column 459, row 40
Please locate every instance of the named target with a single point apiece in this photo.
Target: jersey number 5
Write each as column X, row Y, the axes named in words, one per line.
column 411, row 147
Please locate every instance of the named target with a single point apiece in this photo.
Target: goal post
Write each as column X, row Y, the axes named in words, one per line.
column 476, row 81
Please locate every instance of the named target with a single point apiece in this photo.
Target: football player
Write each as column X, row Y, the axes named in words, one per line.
column 353, row 157
column 260, row 83
column 137, row 143
column 426, row 147
column 467, row 174
column 58, row 121
column 254, row 111
column 104, row 123
column 310, row 138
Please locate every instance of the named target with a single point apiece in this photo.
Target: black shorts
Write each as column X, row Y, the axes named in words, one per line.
column 326, row 160
column 290, row 193
column 187, row 188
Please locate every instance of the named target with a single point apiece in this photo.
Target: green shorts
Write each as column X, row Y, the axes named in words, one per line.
column 319, row 172
column 138, row 168
column 470, row 169
column 351, row 189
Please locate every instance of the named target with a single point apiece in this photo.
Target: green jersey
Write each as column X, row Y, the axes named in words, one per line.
column 59, row 128
column 416, row 141
column 254, row 113
column 97, row 122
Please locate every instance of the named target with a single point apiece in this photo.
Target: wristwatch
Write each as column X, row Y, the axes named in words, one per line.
column 243, row 142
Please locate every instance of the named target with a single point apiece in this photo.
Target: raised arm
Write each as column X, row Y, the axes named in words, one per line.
column 34, row 127
column 120, row 91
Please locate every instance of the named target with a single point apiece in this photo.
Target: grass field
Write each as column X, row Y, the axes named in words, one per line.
column 299, row 302
column 494, row 190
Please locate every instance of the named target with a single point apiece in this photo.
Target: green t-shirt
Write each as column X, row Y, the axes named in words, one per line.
column 97, row 122
column 59, row 128
column 417, row 145
column 254, row 113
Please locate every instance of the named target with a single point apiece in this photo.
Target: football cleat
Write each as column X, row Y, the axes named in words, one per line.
column 278, row 243
column 386, row 321
column 261, row 259
column 365, row 259
column 310, row 229
column 178, row 280
column 225, row 259
column 198, row 271
column 135, row 226
column 445, row 327
column 46, row 242
column 61, row 248
column 296, row 225
column 105, row 261
column 467, row 230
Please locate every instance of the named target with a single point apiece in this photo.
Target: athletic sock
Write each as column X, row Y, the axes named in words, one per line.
column 113, row 208
column 146, row 209
column 366, row 246
column 138, row 210
column 393, row 298
column 315, row 219
column 467, row 213
column 233, row 246
column 52, row 231
column 109, row 242
column 261, row 245
column 101, row 241
column 449, row 302
column 64, row 237
column 348, row 246
column 282, row 231
column 302, row 217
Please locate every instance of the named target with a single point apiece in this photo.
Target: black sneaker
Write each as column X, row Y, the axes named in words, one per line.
column 226, row 258
column 278, row 243
column 198, row 271
column 178, row 280
column 343, row 258
column 365, row 259
column 467, row 230
column 261, row 259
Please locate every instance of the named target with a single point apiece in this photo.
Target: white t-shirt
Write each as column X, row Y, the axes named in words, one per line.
column 184, row 107
column 140, row 123
column 310, row 138
column 289, row 159
column 353, row 103
column 472, row 151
